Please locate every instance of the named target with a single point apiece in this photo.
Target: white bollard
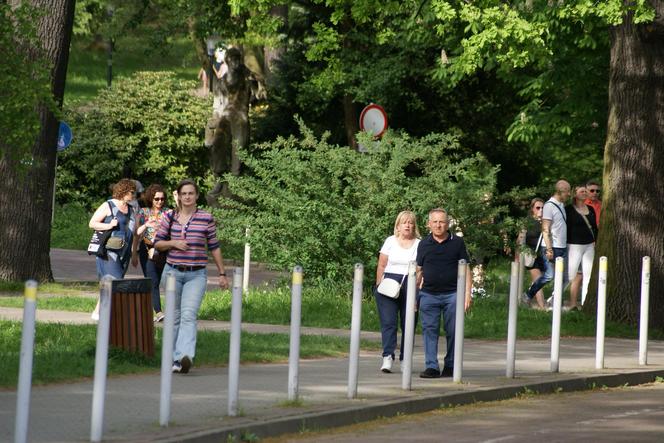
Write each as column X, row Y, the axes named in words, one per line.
column 25, row 363
column 409, row 333
column 522, row 271
column 101, row 359
column 356, row 324
column 296, row 319
column 601, row 314
column 234, row 348
column 557, row 309
column 645, row 306
column 511, row 320
column 167, row 339
column 459, row 325
column 247, row 263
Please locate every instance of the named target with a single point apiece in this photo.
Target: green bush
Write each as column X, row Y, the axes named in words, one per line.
column 70, row 227
column 327, row 207
column 149, row 126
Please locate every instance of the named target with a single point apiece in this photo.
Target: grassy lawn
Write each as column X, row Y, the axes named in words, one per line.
column 86, row 72
column 67, row 352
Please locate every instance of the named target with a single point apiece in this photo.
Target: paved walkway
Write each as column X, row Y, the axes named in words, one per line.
column 61, row 412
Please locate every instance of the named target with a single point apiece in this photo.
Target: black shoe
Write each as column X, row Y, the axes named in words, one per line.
column 186, row 364
column 447, row 372
column 430, row 373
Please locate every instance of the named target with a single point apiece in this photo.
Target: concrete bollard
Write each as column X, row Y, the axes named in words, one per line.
column 409, row 333
column 247, row 263
column 25, row 363
column 645, row 306
column 356, row 324
column 296, row 318
column 234, row 347
column 101, row 359
column 557, row 308
column 601, row 314
column 511, row 320
column 460, row 317
column 167, row 352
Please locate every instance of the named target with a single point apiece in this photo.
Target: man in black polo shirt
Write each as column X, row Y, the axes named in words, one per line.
column 438, row 258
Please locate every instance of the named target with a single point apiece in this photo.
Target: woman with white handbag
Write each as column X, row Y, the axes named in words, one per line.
column 532, row 237
column 391, row 283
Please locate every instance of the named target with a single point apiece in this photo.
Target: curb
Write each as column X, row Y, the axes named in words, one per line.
column 345, row 416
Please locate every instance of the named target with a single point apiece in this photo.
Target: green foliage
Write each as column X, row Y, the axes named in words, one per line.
column 70, row 226
column 325, row 207
column 149, row 126
column 25, row 76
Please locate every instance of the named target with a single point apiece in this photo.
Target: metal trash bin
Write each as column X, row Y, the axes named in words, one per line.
column 132, row 326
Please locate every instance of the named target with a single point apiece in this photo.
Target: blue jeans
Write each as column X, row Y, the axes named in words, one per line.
column 548, row 270
column 189, row 291
column 431, row 306
column 154, row 271
column 391, row 311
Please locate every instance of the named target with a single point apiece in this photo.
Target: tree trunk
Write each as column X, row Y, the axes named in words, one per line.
column 26, row 199
column 631, row 222
column 273, row 55
column 350, row 120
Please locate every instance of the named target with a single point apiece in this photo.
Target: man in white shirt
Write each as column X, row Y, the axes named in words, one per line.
column 554, row 235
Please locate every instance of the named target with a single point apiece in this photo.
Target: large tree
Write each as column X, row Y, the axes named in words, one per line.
column 633, row 163
column 26, row 187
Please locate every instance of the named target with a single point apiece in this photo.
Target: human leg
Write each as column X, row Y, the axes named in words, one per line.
column 587, row 267
column 403, row 302
column 143, row 258
column 193, row 290
column 575, row 252
column 539, row 296
column 387, row 314
column 154, row 275
column 430, row 309
column 545, row 277
column 449, row 318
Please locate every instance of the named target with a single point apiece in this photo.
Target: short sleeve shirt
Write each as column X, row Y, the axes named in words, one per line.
column 200, row 233
column 440, row 263
column 555, row 212
column 398, row 257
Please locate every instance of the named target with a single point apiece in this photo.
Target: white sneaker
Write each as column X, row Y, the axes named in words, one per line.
column 387, row 364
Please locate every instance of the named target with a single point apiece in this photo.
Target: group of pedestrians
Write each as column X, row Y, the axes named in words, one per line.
column 559, row 230
column 437, row 257
column 162, row 241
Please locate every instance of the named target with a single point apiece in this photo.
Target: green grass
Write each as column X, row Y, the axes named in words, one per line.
column 86, row 72
column 67, row 352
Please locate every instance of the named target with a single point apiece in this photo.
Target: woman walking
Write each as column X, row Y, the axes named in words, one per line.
column 581, row 234
column 152, row 263
column 397, row 251
column 115, row 214
column 187, row 234
column 532, row 237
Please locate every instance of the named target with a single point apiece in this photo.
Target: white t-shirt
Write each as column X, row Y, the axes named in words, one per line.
column 398, row 257
column 558, row 222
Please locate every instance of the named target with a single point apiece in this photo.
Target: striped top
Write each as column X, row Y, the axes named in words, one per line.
column 199, row 231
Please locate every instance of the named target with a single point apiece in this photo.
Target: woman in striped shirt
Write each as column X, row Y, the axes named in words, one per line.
column 187, row 233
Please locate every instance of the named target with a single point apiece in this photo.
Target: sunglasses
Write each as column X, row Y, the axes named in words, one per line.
column 159, row 199
column 594, row 191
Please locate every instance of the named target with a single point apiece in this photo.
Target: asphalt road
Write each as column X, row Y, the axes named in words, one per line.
column 632, row 414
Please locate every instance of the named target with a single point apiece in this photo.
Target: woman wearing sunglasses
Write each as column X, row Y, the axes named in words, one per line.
column 532, row 238
column 152, row 263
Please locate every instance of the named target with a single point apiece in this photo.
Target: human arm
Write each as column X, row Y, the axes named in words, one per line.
column 546, row 237
column 219, row 262
column 162, row 239
column 380, row 269
column 97, row 219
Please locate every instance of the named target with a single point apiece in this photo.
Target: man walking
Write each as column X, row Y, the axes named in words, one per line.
column 438, row 258
column 554, row 235
column 593, row 198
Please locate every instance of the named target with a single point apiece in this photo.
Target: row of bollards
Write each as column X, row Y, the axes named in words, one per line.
column 103, row 329
column 516, row 282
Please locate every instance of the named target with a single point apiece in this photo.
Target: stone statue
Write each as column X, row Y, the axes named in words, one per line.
column 228, row 130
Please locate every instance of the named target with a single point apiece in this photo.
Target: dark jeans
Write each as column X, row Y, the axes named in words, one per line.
column 154, row 271
column 391, row 311
column 143, row 257
column 548, row 267
column 431, row 307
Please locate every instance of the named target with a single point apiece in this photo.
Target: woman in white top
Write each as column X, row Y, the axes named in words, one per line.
column 397, row 251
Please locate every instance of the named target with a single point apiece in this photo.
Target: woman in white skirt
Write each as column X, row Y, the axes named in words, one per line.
column 581, row 235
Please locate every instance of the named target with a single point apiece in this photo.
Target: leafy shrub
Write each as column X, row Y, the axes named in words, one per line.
column 327, row 207
column 149, row 127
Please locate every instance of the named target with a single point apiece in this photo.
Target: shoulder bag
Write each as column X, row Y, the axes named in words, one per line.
column 528, row 257
column 389, row 287
column 97, row 245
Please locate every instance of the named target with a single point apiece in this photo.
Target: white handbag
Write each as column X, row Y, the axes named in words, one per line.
column 528, row 257
column 390, row 288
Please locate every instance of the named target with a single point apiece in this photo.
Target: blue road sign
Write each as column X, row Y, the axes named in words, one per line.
column 64, row 136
